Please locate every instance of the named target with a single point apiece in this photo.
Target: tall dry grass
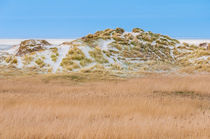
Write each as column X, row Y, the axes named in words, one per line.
column 146, row 107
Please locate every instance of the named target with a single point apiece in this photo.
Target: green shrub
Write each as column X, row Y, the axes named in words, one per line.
column 85, row 62
column 14, row 61
column 8, row 59
column 162, row 42
column 119, row 30
column 134, row 43
column 54, row 58
column 98, row 55
column 175, row 40
column 129, row 36
column 113, row 51
column 90, row 36
column 137, row 30
column 66, row 62
column 107, row 32
column 167, row 37
column 146, row 37
column 40, row 62
column 116, row 66
column 54, row 49
column 117, row 46
column 108, row 53
column 28, row 59
column 76, row 54
column 117, row 38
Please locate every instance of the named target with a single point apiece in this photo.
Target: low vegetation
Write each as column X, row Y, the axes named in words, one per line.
column 55, row 54
column 97, row 54
column 91, row 106
column 40, row 62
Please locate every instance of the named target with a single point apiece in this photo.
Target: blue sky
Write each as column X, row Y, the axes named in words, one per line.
column 76, row 18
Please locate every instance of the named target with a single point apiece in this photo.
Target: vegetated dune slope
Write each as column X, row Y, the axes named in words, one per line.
column 111, row 50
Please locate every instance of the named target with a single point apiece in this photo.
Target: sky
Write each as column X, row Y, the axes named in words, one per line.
column 76, row 18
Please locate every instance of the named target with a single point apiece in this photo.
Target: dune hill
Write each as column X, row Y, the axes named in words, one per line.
column 111, row 50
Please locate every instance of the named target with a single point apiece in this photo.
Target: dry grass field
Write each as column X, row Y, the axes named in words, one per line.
column 153, row 106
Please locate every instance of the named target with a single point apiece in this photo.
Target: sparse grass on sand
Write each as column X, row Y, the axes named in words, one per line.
column 147, row 107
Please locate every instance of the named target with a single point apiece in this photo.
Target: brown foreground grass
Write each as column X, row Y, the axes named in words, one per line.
column 147, row 107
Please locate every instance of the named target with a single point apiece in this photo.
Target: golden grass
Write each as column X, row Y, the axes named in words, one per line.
column 148, row 107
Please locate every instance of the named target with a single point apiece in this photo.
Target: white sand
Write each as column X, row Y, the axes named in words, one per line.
column 194, row 41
